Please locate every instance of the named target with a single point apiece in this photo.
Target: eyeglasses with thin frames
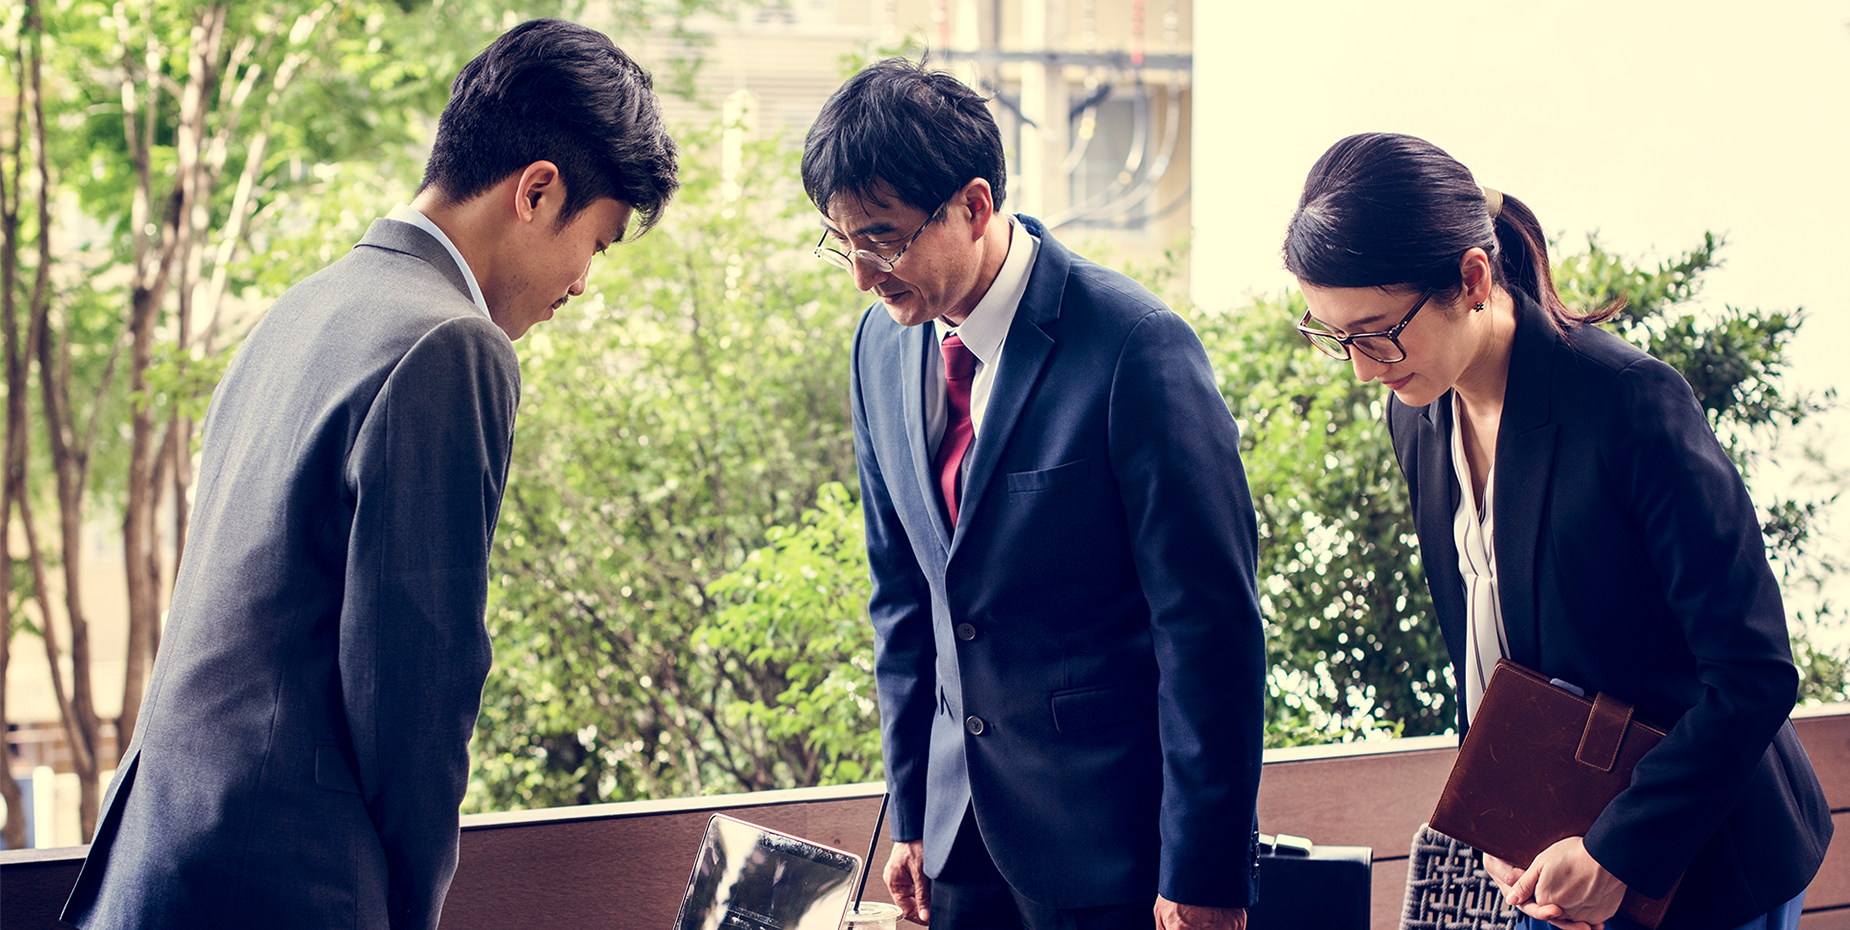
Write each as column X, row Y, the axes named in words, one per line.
column 1383, row 347
column 874, row 260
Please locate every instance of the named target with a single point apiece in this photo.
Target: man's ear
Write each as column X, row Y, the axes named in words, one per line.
column 976, row 203
column 539, row 193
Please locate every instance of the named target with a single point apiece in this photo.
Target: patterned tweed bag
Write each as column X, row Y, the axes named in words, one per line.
column 1446, row 890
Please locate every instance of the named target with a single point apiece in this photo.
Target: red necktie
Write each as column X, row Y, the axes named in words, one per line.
column 959, row 375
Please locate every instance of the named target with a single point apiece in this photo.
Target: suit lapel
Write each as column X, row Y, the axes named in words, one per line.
column 915, row 348
column 1024, row 355
column 1525, row 466
column 1438, row 504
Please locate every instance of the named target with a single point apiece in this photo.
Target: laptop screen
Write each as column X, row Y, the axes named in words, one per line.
column 750, row 878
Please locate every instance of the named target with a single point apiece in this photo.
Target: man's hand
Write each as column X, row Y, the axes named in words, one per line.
column 1565, row 886
column 907, row 882
column 1173, row 916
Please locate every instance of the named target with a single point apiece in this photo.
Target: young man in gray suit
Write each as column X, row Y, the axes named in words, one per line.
column 304, row 743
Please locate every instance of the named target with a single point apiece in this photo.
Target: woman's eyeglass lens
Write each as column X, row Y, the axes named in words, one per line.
column 1382, row 347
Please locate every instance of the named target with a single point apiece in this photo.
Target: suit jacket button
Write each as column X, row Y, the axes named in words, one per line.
column 966, row 632
column 975, row 725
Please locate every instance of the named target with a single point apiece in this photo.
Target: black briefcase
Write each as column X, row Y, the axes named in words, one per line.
column 1303, row 886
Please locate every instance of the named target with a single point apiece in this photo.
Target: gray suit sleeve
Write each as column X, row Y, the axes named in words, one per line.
column 427, row 472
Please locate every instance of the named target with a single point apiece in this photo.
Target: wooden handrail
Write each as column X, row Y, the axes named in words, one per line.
column 625, row 865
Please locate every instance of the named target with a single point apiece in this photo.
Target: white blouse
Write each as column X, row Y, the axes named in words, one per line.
column 1485, row 639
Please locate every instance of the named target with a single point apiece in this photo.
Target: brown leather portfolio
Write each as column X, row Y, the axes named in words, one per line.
column 1538, row 765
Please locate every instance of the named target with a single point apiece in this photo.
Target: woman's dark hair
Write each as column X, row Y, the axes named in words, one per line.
column 560, row 92
column 1386, row 210
column 922, row 133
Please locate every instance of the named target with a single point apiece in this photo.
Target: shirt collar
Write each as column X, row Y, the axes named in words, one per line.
column 405, row 213
column 984, row 330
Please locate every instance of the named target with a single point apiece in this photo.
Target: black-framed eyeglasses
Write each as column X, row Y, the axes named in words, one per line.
column 874, row 260
column 1383, row 347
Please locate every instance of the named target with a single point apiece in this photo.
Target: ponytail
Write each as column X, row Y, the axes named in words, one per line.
column 1523, row 265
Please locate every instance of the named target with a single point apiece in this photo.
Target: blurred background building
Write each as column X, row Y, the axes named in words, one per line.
column 1093, row 96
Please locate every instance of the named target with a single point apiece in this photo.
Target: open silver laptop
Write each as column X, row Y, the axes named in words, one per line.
column 752, row 878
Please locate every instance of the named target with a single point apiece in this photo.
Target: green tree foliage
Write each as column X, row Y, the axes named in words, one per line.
column 797, row 628
column 314, row 118
column 694, row 400
column 1351, row 645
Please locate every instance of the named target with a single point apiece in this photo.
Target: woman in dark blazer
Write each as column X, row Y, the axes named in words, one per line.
column 1619, row 550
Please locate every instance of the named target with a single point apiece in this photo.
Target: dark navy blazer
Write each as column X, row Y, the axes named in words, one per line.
column 1082, row 660
column 1630, row 561
column 304, row 743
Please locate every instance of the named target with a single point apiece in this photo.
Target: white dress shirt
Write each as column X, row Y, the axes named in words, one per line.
column 983, row 333
column 1486, row 641
column 406, row 213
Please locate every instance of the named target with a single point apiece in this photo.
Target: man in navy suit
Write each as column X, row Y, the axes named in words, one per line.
column 1068, row 644
column 304, row 743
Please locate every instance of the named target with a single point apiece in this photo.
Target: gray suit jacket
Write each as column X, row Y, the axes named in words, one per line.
column 304, row 743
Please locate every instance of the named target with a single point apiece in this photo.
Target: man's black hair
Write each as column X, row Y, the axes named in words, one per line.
column 560, row 92
column 898, row 125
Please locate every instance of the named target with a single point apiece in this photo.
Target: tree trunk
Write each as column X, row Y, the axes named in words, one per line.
column 80, row 721
column 155, row 267
column 13, row 834
column 78, row 710
column 137, row 514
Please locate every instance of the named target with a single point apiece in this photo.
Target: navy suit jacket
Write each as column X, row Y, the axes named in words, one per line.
column 1630, row 561
column 1081, row 661
column 304, row 742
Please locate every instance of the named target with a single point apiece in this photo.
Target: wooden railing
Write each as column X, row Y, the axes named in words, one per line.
column 623, row 866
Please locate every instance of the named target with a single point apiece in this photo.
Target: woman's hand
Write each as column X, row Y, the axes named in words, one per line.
column 1564, row 886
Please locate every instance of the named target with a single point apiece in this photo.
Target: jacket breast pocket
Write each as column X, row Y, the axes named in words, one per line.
column 332, row 770
column 1045, row 478
column 1085, row 708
